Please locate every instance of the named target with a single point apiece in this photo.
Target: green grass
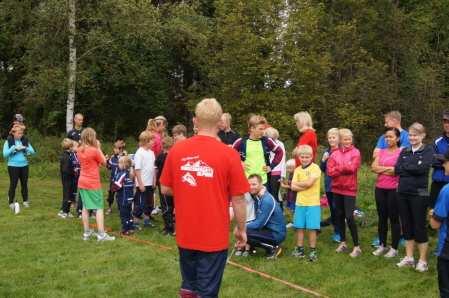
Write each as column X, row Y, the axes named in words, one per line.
column 42, row 255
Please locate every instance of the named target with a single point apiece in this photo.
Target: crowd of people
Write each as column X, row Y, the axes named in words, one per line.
column 205, row 180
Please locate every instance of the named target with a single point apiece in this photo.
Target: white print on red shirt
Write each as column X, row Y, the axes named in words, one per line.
column 200, row 167
column 189, row 179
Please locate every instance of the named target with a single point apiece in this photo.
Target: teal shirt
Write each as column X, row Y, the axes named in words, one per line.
column 17, row 158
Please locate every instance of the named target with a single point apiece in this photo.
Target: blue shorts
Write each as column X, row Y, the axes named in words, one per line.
column 307, row 217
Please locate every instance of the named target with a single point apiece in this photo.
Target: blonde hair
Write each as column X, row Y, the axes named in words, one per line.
column 208, row 112
column 88, row 137
column 304, row 119
column 228, row 117
column 272, row 132
column 66, row 144
column 394, row 115
column 417, row 128
column 126, row 160
column 345, row 132
column 303, row 149
column 151, row 125
column 255, row 120
column 167, row 143
column 145, row 137
column 333, row 131
column 179, row 129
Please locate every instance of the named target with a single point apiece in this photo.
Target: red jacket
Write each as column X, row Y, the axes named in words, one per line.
column 308, row 137
column 342, row 166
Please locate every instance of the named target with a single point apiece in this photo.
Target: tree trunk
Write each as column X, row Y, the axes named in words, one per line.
column 72, row 66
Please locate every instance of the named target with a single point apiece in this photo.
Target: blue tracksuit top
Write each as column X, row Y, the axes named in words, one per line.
column 17, row 158
column 269, row 216
column 124, row 185
column 113, row 165
column 441, row 146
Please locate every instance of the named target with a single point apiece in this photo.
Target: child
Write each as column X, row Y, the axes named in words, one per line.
column 275, row 175
column 290, row 195
column 306, row 181
column 67, row 177
column 179, row 133
column 123, row 185
column 342, row 166
column 166, row 202
column 91, row 158
column 333, row 140
column 112, row 165
column 145, row 177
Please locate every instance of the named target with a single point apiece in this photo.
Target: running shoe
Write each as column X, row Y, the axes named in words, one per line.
column 422, row 267
column 391, row 253
column 298, row 252
column 105, row 237
column 341, row 248
column 16, row 208
column 313, row 256
column 355, row 252
column 380, row 251
column 406, row 262
column 274, row 253
column 87, row 234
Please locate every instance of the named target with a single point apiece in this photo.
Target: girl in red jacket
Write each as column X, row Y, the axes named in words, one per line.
column 342, row 166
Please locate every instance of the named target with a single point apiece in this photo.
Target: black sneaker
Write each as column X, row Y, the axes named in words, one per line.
column 298, row 252
column 313, row 256
column 274, row 253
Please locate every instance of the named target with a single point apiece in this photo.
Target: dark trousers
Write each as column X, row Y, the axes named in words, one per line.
column 333, row 211
column 125, row 208
column 111, row 195
column 261, row 238
column 413, row 214
column 388, row 210
column 344, row 207
column 435, row 189
column 275, row 184
column 143, row 202
column 168, row 206
column 67, row 192
column 16, row 174
column 201, row 272
column 443, row 277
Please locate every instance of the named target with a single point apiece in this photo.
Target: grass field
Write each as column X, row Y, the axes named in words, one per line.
column 42, row 255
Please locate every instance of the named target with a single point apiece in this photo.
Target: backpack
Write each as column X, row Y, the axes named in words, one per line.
column 11, row 141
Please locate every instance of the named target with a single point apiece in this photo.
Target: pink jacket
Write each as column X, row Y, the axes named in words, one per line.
column 342, row 166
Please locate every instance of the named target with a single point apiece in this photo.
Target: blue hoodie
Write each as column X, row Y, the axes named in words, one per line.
column 269, row 216
column 17, row 158
column 440, row 146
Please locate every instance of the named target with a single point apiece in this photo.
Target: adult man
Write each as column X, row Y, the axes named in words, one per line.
column 75, row 133
column 226, row 134
column 441, row 146
column 268, row 229
column 202, row 174
column 393, row 120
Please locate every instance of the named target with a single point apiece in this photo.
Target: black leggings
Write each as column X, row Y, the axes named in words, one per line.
column 443, row 277
column 16, row 174
column 413, row 213
column 387, row 209
column 344, row 207
column 168, row 206
column 67, row 192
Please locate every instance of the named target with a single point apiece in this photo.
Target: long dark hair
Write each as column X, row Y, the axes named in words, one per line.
column 396, row 131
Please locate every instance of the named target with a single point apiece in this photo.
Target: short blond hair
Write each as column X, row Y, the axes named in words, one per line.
column 272, row 133
column 304, row 119
column 303, row 149
column 179, row 129
column 126, row 160
column 145, row 137
column 208, row 112
column 167, row 142
column 228, row 117
column 345, row 132
column 417, row 128
column 255, row 120
column 66, row 144
column 394, row 115
column 333, row 131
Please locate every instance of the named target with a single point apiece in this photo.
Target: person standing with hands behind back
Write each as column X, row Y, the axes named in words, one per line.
column 201, row 173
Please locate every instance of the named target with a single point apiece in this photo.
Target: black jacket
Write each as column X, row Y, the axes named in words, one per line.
column 413, row 170
column 65, row 164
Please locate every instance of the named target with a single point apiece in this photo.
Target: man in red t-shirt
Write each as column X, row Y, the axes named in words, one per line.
column 203, row 174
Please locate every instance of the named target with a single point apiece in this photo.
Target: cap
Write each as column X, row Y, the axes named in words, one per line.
column 446, row 115
column 19, row 118
column 442, row 157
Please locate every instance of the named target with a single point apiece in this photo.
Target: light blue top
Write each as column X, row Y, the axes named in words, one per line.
column 17, row 158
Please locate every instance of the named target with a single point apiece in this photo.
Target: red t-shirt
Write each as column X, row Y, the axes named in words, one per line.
column 203, row 174
column 308, row 137
column 90, row 159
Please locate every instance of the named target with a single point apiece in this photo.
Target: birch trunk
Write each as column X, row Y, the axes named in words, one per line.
column 72, row 66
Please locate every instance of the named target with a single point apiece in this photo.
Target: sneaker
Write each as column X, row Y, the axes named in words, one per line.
column 245, row 253
column 406, row 262
column 156, row 211
column 341, row 248
column 108, row 211
column 62, row 214
column 88, row 234
column 147, row 223
column 422, row 267
column 375, row 242
column 16, row 208
column 105, row 237
column 26, row 204
column 336, row 238
column 298, row 252
column 313, row 256
column 355, row 252
column 391, row 253
column 289, row 225
column 11, row 206
column 274, row 253
column 380, row 251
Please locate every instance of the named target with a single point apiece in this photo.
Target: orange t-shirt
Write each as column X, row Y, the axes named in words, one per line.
column 90, row 159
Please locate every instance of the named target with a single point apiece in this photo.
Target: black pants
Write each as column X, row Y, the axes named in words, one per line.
column 111, row 196
column 388, row 210
column 143, row 202
column 16, row 174
column 344, row 207
column 168, row 206
column 413, row 214
column 275, row 184
column 435, row 189
column 202, row 272
column 333, row 211
column 443, row 277
column 67, row 192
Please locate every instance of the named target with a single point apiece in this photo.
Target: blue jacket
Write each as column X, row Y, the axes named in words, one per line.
column 17, row 158
column 112, row 165
column 269, row 216
column 440, row 146
column 123, row 185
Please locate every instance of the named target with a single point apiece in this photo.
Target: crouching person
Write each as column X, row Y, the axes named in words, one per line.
column 268, row 229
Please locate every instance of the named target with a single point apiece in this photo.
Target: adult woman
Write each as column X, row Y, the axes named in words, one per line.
column 307, row 135
column 15, row 150
column 413, row 168
column 385, row 193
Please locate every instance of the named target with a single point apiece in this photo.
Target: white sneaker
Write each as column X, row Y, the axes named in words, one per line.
column 11, row 206
column 156, row 211
column 422, row 267
column 16, row 208
column 391, row 253
column 406, row 262
column 88, row 234
column 26, row 204
column 105, row 237
column 62, row 214
column 380, row 251
column 289, row 225
column 355, row 252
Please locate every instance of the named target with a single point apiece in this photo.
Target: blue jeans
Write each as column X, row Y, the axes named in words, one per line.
column 261, row 238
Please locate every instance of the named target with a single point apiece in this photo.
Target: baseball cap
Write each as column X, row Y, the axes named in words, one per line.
column 446, row 115
column 442, row 157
